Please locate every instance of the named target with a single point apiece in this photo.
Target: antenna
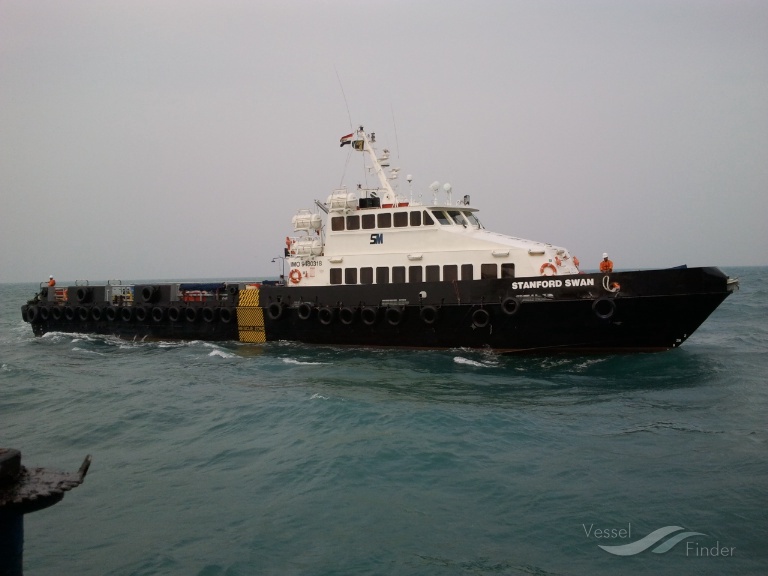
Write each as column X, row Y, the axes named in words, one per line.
column 345, row 98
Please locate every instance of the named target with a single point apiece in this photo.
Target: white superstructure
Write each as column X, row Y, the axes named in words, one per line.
column 375, row 236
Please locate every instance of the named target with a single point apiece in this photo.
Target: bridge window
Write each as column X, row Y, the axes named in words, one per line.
column 414, row 274
column 369, row 221
column 508, row 270
column 450, row 272
column 467, row 272
column 337, row 223
column 456, row 216
column 428, row 221
column 353, row 222
column 385, row 219
column 335, row 275
column 442, row 218
column 473, row 220
column 488, row 271
column 366, row 275
column 382, row 275
column 433, row 273
column 350, row 275
column 398, row 274
column 415, row 218
column 401, row 219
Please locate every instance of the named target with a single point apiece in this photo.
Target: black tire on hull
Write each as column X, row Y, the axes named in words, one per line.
column 510, row 306
column 347, row 315
column 480, row 318
column 275, row 310
column 604, row 308
column 429, row 315
column 174, row 313
column 209, row 314
column 304, row 311
column 393, row 316
column 326, row 315
column 369, row 315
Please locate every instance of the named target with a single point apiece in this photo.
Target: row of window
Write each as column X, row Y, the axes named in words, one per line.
column 431, row 273
column 403, row 219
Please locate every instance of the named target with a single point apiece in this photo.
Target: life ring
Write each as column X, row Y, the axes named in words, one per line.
column 548, row 266
column 604, row 308
column 510, row 306
column 295, row 276
column 558, row 261
column 274, row 310
column 480, row 318
column 429, row 315
column 304, row 311
column 576, row 261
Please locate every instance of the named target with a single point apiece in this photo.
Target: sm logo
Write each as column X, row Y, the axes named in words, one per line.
column 377, row 238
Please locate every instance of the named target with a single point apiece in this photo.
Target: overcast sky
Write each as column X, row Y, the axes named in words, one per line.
column 176, row 138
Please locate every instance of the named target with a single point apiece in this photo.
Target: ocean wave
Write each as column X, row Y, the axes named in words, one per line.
column 476, row 363
column 301, row 362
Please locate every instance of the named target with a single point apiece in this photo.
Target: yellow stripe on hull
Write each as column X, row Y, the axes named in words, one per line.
column 250, row 317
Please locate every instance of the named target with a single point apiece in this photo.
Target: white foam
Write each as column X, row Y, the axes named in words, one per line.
column 294, row 361
column 468, row 362
column 221, row 354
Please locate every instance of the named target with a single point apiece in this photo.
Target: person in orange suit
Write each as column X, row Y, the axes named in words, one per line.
column 51, row 281
column 606, row 265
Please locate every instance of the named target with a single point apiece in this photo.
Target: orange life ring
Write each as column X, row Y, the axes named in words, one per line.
column 558, row 261
column 550, row 266
column 295, row 276
column 576, row 261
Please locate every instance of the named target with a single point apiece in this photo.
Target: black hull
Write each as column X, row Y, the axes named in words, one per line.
column 648, row 311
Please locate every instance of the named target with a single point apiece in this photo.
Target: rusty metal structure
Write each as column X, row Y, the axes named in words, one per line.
column 22, row 491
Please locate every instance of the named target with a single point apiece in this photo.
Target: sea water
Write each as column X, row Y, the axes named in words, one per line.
column 233, row 459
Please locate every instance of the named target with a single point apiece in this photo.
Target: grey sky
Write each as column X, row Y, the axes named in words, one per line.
column 175, row 139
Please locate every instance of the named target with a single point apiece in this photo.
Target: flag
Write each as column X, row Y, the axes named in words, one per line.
column 346, row 139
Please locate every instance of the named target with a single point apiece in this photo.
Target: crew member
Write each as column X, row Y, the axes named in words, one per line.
column 606, row 265
column 51, row 281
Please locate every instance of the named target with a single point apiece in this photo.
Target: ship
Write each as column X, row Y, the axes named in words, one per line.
column 375, row 267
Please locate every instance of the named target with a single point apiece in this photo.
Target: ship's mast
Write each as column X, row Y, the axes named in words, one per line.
column 389, row 194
